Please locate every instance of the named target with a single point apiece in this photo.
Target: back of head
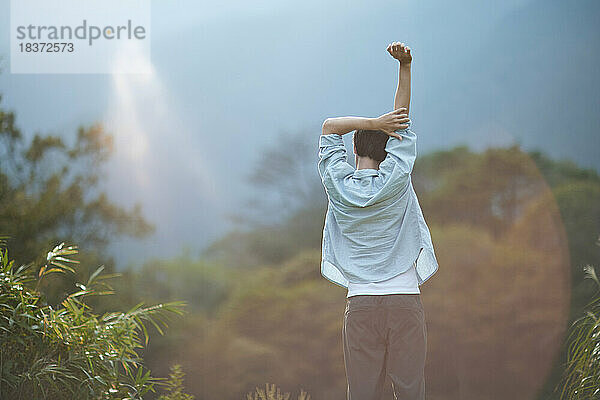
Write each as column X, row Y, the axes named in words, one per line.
column 370, row 144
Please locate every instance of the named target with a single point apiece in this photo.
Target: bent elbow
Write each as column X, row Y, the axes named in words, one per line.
column 327, row 127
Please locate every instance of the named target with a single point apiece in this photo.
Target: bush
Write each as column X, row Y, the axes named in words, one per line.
column 274, row 393
column 581, row 379
column 68, row 352
column 175, row 385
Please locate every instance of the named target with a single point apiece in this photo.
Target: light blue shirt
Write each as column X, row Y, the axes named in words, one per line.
column 374, row 227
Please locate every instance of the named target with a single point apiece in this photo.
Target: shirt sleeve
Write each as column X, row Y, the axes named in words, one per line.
column 397, row 166
column 333, row 159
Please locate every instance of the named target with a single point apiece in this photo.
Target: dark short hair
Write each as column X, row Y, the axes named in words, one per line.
column 371, row 144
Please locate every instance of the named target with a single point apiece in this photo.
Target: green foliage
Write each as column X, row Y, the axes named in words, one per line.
column 558, row 172
column 579, row 204
column 487, row 189
column 274, row 393
column 68, row 352
column 174, row 385
column 582, row 373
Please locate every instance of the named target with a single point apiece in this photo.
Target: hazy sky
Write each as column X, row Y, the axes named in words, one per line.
column 232, row 77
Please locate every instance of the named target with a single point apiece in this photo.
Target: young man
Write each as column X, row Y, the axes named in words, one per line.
column 377, row 244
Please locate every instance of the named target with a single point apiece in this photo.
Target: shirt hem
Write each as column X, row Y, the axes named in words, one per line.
column 394, row 273
column 329, row 279
column 429, row 276
column 399, row 291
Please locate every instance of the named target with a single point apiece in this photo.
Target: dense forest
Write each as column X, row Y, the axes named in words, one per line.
column 512, row 230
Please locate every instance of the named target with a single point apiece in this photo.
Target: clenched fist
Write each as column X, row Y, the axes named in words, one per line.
column 400, row 52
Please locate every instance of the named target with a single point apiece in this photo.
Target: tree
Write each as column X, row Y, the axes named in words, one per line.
column 288, row 215
column 286, row 174
column 49, row 192
column 488, row 189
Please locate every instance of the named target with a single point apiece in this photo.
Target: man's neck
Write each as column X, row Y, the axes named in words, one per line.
column 366, row 163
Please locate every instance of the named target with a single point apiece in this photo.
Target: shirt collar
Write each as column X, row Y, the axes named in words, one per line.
column 360, row 173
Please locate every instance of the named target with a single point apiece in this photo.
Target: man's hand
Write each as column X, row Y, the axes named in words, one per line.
column 392, row 121
column 400, row 52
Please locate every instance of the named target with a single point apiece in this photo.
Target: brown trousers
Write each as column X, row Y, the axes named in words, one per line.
column 385, row 335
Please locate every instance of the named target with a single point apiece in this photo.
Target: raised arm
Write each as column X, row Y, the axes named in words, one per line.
column 388, row 123
column 395, row 169
column 402, row 53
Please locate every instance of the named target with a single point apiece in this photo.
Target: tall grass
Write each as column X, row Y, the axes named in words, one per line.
column 581, row 379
